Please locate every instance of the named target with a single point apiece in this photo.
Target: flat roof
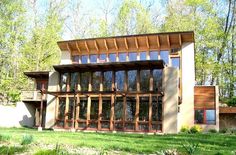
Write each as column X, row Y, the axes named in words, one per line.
column 108, row 66
column 227, row 110
column 150, row 41
column 38, row 74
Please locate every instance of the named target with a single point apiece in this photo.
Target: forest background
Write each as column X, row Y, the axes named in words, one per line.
column 30, row 29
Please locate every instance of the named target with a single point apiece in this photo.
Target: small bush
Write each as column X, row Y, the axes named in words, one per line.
column 184, row 129
column 212, row 131
column 225, row 130
column 232, row 102
column 191, row 148
column 26, row 139
column 195, row 129
column 4, row 137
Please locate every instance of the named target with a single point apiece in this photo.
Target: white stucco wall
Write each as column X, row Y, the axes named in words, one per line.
column 65, row 57
column 16, row 116
column 186, row 111
column 51, row 100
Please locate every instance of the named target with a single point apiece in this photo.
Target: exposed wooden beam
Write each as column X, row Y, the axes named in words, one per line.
column 147, row 42
column 68, row 47
column 77, row 46
column 126, row 44
column 105, row 43
column 158, row 42
column 168, row 40
column 86, row 46
column 136, row 42
column 96, row 45
column 115, row 43
column 180, row 39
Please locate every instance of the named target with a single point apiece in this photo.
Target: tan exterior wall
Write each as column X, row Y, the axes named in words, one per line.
column 170, row 100
column 65, row 57
column 16, row 116
column 51, row 100
column 186, row 109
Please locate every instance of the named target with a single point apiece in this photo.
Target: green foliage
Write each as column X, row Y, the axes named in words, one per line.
column 184, row 129
column 27, row 139
column 167, row 152
column 4, row 137
column 11, row 150
column 56, row 151
column 190, row 147
column 212, row 131
column 195, row 129
column 231, row 101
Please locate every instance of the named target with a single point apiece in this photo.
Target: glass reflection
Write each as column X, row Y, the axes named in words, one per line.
column 120, row 77
column 132, row 56
column 132, row 74
column 165, row 56
column 143, row 56
column 84, row 81
column 144, row 80
column 96, row 81
column 122, row 57
column 112, row 57
column 107, row 81
column 153, row 55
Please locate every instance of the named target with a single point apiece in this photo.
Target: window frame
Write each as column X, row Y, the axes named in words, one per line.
column 204, row 116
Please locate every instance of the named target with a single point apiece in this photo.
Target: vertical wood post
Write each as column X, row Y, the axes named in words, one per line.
column 77, row 111
column 112, row 112
column 151, row 80
column 150, row 113
column 124, row 111
column 99, row 112
column 88, row 111
column 137, row 113
column 66, row 112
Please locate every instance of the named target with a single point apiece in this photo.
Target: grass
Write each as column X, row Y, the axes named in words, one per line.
column 208, row 143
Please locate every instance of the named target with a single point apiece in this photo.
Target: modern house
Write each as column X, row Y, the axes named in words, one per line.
column 135, row 83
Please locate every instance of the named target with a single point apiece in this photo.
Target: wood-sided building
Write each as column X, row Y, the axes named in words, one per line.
column 135, row 83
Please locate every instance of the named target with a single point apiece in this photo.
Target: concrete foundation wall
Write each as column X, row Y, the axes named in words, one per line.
column 53, row 83
column 17, row 116
column 65, row 57
column 170, row 100
column 186, row 109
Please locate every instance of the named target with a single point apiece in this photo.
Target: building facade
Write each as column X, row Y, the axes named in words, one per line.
column 138, row 83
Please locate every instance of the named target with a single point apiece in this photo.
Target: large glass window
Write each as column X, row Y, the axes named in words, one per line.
column 94, row 108
column 120, row 77
column 203, row 116
column 199, row 116
column 210, row 116
column 107, row 81
column 130, row 108
column 144, row 80
column 106, row 108
column 112, row 57
column 70, row 109
column 96, row 81
column 93, row 58
column 132, row 74
column 143, row 55
column 102, row 58
column 153, row 55
column 84, row 81
column 157, row 79
column 75, row 58
column 165, row 56
column 84, row 59
column 156, row 108
column 83, row 109
column 175, row 62
column 132, row 56
column 122, row 57
column 143, row 108
column 118, row 108
column 63, row 81
column 61, row 112
column 74, row 81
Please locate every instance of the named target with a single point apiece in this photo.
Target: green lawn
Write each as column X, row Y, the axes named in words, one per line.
column 210, row 143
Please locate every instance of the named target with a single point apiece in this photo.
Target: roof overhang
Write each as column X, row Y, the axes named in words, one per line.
column 147, row 64
column 227, row 110
column 38, row 74
column 153, row 41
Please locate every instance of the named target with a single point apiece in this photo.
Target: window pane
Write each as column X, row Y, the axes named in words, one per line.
column 70, row 109
column 106, row 108
column 118, row 108
column 199, row 116
column 122, row 57
column 143, row 108
column 94, row 108
column 175, row 62
column 84, row 59
column 84, row 81
column 153, row 55
column 156, row 108
column 165, row 56
column 112, row 57
column 210, row 117
column 61, row 108
column 83, row 109
column 120, row 77
column 144, row 80
column 132, row 80
column 107, row 81
column 143, row 56
column 132, row 56
column 131, row 108
column 64, row 79
column 75, row 58
column 93, row 58
column 102, row 58
column 74, row 81
column 157, row 79
column 96, row 81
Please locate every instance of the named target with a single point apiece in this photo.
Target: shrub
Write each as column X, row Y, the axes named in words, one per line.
column 10, row 150
column 26, row 139
column 232, row 101
column 184, row 129
column 195, row 129
column 4, row 137
column 212, row 131
column 190, row 148
column 225, row 130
